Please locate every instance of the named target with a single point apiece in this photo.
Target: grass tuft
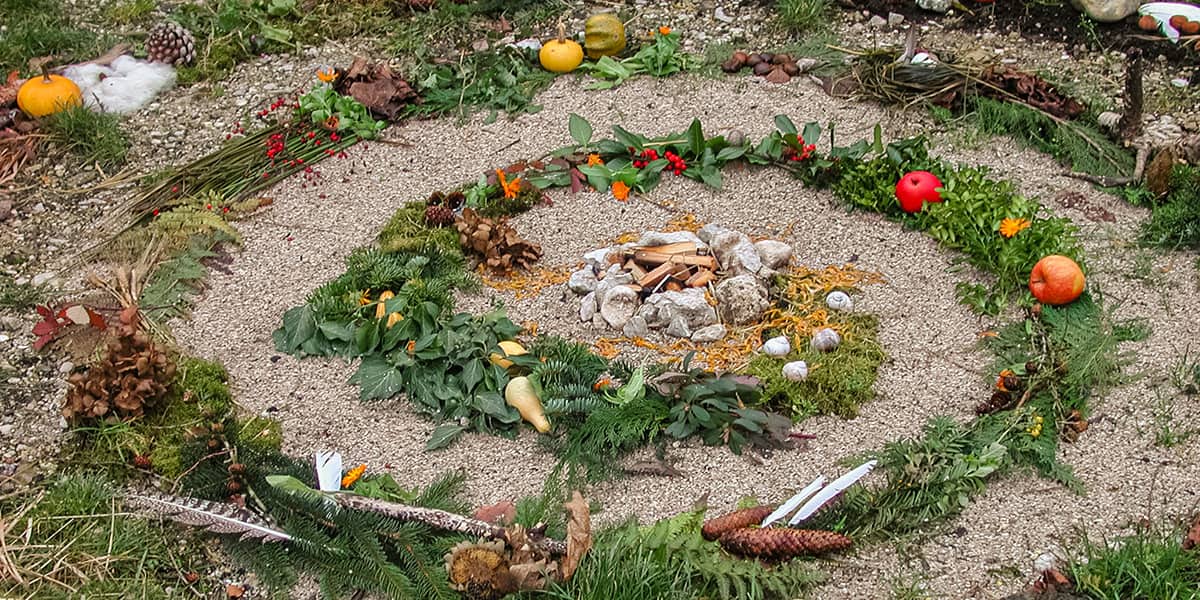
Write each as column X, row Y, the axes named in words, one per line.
column 1150, row 564
column 37, row 28
column 94, row 136
column 802, row 15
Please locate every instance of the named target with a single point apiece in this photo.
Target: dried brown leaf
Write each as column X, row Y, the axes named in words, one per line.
column 579, row 533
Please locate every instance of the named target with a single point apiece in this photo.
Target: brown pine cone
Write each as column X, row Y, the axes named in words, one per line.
column 780, row 543
column 715, row 527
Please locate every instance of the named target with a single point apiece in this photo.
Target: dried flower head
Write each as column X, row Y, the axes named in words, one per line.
column 1011, row 227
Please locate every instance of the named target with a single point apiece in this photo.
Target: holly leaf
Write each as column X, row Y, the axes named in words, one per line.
column 377, row 379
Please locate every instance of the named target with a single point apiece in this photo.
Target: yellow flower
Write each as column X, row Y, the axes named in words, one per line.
column 511, row 188
column 365, row 298
column 664, row 30
column 620, row 191
column 594, row 159
column 353, row 475
column 1011, row 227
column 327, row 75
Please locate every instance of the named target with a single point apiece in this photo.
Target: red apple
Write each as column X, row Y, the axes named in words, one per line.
column 916, row 188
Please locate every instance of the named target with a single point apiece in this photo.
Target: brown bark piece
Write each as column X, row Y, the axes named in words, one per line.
column 702, row 278
column 657, row 258
column 659, row 273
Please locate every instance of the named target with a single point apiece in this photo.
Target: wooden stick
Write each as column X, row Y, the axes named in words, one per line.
column 656, row 258
column 676, row 248
column 700, row 279
column 659, row 273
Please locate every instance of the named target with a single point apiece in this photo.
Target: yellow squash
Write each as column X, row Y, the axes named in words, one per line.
column 509, row 348
column 519, row 395
column 603, row 35
column 381, row 307
column 47, row 95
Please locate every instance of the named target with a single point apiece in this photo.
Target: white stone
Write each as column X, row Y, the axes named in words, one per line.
column 894, row 19
column 796, row 370
column 597, row 259
column 777, row 347
column 619, row 304
column 719, row 14
column 735, row 252
column 773, row 253
column 659, row 238
column 709, row 334
column 741, row 299
column 877, row 22
column 587, row 307
column 582, row 281
column 6, row 430
column 66, row 367
column 938, row 6
column 691, row 304
column 1104, row 11
column 838, row 300
column 42, row 278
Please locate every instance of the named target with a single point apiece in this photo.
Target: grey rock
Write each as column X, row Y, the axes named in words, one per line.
column 66, row 367
column 689, row 304
column 679, row 327
column 741, row 299
column 878, row 22
column 735, row 252
column 582, row 281
column 773, row 253
column 658, row 238
column 587, row 307
column 42, row 278
column 894, row 19
column 709, row 334
column 939, row 6
column 720, row 15
column 635, row 327
column 618, row 306
column 708, row 232
column 615, row 275
column 1104, row 11
column 6, row 430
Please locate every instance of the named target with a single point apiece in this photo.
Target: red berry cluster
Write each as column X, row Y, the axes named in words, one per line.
column 804, row 154
column 238, row 129
column 676, row 164
column 274, row 145
column 643, row 158
column 276, row 105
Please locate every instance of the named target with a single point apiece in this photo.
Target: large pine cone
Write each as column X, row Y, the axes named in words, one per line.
column 781, row 544
column 500, row 247
column 170, row 43
column 738, row 519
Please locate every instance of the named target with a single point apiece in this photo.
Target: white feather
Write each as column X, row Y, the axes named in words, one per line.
column 833, row 489
column 329, row 471
column 212, row 516
column 794, row 501
column 124, row 87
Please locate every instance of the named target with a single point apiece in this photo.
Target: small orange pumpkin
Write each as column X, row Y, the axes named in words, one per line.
column 48, row 94
column 561, row 55
column 1056, row 280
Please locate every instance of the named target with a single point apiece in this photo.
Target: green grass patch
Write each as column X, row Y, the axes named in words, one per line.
column 72, row 543
column 130, row 12
column 18, row 297
column 1148, row 565
column 798, row 16
column 1175, row 223
column 93, row 136
column 838, row 382
column 37, row 28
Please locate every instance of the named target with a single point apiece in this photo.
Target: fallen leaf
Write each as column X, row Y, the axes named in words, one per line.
column 1192, row 539
column 579, row 533
column 530, row 576
column 500, row 513
column 78, row 314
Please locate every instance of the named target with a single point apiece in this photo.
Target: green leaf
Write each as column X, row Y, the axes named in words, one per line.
column 711, row 176
column 729, row 153
column 337, row 330
column 784, row 124
column 695, row 137
column 492, row 404
column 472, row 374
column 812, row 132
column 581, row 130
column 443, row 435
column 377, row 379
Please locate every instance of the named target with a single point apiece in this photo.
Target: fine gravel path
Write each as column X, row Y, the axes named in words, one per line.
column 934, row 366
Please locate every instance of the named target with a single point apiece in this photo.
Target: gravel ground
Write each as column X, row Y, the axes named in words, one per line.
column 934, row 368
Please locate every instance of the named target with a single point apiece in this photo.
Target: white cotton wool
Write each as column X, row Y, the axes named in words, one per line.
column 125, row 87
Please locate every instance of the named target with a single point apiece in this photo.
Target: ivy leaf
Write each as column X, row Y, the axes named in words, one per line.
column 377, row 379
column 581, row 130
column 443, row 435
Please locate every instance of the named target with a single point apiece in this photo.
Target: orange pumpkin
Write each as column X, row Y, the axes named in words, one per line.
column 47, row 95
column 1056, row 280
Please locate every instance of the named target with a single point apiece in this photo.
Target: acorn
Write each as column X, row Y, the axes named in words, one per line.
column 732, row 65
column 780, row 59
column 791, row 68
column 753, row 60
column 766, row 56
column 762, row 68
column 741, row 57
column 233, row 486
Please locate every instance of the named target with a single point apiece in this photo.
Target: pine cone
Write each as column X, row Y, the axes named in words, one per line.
column 781, row 544
column 499, row 246
column 170, row 43
column 439, row 215
column 714, row 528
column 133, row 375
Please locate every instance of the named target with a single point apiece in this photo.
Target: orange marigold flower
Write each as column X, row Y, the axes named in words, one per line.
column 664, row 30
column 511, row 188
column 602, row 383
column 327, row 75
column 411, row 347
column 594, row 159
column 620, row 191
column 353, row 475
column 1011, row 227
